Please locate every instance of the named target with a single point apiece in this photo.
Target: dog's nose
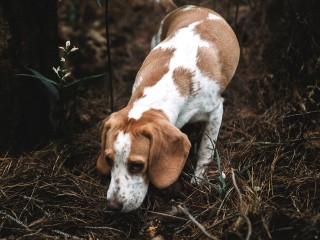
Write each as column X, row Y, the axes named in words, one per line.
column 114, row 204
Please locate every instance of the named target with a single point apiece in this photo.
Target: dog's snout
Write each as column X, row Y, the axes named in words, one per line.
column 114, row 204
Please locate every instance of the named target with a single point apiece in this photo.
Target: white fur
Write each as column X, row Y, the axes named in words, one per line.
column 165, row 95
column 187, row 8
column 204, row 105
column 214, row 17
column 124, row 187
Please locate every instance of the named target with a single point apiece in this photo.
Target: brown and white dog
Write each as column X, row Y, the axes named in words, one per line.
column 195, row 54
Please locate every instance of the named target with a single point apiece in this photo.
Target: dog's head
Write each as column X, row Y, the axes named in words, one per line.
column 136, row 152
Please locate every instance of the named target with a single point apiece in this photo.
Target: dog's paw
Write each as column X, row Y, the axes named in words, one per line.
column 198, row 175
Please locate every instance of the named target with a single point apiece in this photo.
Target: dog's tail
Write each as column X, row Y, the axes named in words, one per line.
column 166, row 5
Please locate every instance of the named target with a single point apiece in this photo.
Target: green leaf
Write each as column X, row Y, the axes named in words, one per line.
column 243, row 170
column 99, row 3
column 50, row 87
column 207, row 182
column 41, row 77
column 222, row 181
column 78, row 81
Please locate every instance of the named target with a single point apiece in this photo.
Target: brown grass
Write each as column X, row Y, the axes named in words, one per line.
column 270, row 133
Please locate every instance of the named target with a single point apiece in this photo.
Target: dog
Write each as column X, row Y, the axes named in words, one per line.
column 195, row 54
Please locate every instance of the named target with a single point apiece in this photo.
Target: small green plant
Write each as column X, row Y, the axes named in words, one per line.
column 59, row 88
column 220, row 184
column 222, row 189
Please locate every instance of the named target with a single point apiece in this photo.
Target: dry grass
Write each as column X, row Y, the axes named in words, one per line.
column 269, row 147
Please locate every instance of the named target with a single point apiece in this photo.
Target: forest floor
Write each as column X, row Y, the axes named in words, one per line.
column 268, row 143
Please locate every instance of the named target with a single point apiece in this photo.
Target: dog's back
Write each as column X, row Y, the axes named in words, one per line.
column 196, row 48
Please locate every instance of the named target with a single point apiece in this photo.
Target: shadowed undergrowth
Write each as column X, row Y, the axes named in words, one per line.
column 269, row 147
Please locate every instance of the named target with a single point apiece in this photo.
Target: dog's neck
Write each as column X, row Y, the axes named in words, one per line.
column 129, row 124
column 157, row 98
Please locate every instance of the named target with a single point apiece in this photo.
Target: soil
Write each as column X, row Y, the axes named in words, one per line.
column 268, row 143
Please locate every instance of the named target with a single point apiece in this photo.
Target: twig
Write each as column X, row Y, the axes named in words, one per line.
column 242, row 213
column 35, row 204
column 66, row 235
column 237, row 189
column 189, row 221
column 14, row 219
column 276, row 144
column 168, row 216
column 109, row 58
column 249, row 225
column 301, row 114
column 108, row 228
column 223, row 220
column 223, row 201
column 203, row 230
column 266, row 228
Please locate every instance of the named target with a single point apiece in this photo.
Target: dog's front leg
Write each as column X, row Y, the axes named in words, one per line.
column 208, row 140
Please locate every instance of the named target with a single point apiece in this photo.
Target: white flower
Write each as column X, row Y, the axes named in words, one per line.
column 62, row 48
column 66, row 75
column 74, row 49
column 68, row 44
column 62, row 59
column 57, row 70
column 223, row 175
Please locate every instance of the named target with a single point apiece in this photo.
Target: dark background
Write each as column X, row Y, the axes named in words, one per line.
column 49, row 188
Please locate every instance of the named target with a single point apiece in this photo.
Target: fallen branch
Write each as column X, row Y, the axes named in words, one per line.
column 202, row 228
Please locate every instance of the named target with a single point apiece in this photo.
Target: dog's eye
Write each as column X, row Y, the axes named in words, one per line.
column 109, row 161
column 135, row 167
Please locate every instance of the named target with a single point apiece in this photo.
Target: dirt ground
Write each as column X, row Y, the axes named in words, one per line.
column 269, row 139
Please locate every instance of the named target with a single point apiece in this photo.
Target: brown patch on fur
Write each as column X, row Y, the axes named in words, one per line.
column 208, row 63
column 169, row 148
column 220, row 60
column 182, row 77
column 140, row 148
column 102, row 166
column 181, row 18
column 154, row 67
column 109, row 131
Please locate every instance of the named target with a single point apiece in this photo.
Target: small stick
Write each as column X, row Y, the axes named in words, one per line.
column 249, row 226
column 237, row 189
column 242, row 213
column 109, row 58
column 14, row 219
column 108, row 228
column 223, row 220
column 66, row 235
column 205, row 232
column 168, row 216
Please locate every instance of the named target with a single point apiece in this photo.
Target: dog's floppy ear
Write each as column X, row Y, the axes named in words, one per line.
column 169, row 149
column 102, row 166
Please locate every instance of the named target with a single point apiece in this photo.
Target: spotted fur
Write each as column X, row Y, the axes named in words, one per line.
column 195, row 54
column 129, row 189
